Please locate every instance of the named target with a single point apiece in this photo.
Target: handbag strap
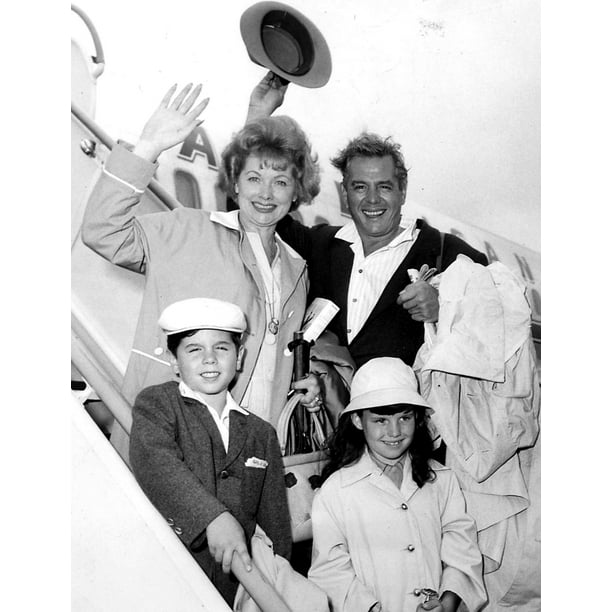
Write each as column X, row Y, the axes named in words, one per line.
column 282, row 427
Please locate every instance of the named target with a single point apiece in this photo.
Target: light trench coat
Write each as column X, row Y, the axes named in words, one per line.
column 374, row 542
column 189, row 253
column 478, row 370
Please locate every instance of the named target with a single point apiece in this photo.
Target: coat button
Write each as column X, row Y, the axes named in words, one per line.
column 224, row 474
column 170, row 521
column 178, row 530
column 404, row 507
column 416, row 592
column 410, row 547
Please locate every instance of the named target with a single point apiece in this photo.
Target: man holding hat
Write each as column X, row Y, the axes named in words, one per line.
column 213, row 469
column 363, row 266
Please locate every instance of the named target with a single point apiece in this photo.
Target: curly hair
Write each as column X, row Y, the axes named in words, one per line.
column 347, row 443
column 368, row 144
column 280, row 141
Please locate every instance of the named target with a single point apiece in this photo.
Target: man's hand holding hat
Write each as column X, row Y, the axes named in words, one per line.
column 266, row 97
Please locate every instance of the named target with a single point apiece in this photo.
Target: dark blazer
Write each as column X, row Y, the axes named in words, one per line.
column 180, row 462
column 389, row 331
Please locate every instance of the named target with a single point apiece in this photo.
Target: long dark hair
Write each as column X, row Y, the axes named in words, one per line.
column 347, row 443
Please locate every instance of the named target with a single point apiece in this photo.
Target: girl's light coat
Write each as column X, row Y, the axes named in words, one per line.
column 375, row 542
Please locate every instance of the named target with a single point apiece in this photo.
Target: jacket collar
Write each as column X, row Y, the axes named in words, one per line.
column 365, row 467
column 230, row 403
column 231, row 220
column 349, row 233
column 359, row 470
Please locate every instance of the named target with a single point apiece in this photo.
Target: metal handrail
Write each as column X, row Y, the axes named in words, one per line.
column 92, row 371
column 166, row 198
column 83, row 357
column 99, row 57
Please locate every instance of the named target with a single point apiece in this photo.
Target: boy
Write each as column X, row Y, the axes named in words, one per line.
column 210, row 467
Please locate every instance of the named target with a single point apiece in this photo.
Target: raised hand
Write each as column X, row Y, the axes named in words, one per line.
column 172, row 121
column 266, row 97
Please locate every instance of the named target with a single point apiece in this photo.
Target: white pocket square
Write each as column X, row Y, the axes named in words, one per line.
column 256, row 463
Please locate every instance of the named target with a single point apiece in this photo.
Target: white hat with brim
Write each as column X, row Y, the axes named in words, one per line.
column 286, row 42
column 202, row 313
column 384, row 381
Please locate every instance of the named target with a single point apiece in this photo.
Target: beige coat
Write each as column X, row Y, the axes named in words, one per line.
column 188, row 253
column 479, row 373
column 375, row 542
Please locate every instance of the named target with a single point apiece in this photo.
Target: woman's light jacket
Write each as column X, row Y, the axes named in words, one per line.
column 188, row 253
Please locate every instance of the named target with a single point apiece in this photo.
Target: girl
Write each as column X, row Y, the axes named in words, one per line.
column 389, row 522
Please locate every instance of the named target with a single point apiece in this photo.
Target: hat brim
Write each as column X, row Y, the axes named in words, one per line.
column 319, row 57
column 231, row 330
column 386, row 397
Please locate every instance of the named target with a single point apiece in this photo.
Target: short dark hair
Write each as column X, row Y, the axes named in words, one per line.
column 368, row 144
column 174, row 340
column 347, row 443
column 279, row 140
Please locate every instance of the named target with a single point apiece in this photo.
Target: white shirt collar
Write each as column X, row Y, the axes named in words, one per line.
column 230, row 403
column 349, row 232
column 230, row 219
column 226, row 218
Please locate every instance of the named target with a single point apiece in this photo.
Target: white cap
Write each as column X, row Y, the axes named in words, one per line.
column 202, row 313
column 384, row 381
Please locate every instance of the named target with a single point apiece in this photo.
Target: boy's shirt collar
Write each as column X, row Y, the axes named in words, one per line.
column 222, row 421
column 230, row 402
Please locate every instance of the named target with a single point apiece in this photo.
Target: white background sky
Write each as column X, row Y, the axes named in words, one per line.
column 576, row 134
column 457, row 83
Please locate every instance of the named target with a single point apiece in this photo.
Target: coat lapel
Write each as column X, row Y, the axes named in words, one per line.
column 292, row 269
column 341, row 264
column 211, row 429
column 237, row 436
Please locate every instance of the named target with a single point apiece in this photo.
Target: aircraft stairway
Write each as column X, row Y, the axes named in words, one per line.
column 125, row 556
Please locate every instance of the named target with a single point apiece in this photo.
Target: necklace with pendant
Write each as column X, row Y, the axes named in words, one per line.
column 274, row 323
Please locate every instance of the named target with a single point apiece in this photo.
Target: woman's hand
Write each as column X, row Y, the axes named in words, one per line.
column 171, row 123
column 311, row 398
column 266, row 97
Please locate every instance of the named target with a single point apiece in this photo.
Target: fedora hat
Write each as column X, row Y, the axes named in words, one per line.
column 286, row 42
